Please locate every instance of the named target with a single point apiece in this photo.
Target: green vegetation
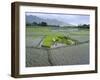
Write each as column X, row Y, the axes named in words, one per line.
column 37, row 30
column 85, row 26
column 66, row 40
column 81, row 32
column 56, row 35
column 48, row 41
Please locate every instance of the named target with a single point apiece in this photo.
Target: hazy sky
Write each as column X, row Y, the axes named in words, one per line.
column 68, row 18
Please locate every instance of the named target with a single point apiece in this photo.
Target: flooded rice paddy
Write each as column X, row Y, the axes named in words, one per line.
column 67, row 55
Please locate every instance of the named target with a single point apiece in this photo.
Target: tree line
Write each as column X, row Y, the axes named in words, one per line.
column 37, row 24
column 84, row 26
column 45, row 24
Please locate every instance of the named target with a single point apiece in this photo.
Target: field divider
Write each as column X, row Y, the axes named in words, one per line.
column 80, row 43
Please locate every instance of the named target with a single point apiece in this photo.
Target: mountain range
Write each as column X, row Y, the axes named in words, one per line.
column 31, row 19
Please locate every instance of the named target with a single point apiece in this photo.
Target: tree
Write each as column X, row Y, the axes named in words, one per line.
column 35, row 23
column 84, row 26
column 43, row 24
column 28, row 24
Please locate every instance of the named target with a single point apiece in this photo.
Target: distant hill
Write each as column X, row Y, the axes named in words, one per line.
column 31, row 19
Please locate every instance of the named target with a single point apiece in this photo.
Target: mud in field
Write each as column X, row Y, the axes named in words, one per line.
column 72, row 55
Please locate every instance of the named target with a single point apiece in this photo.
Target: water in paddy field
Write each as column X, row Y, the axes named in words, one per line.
column 65, row 29
column 72, row 55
